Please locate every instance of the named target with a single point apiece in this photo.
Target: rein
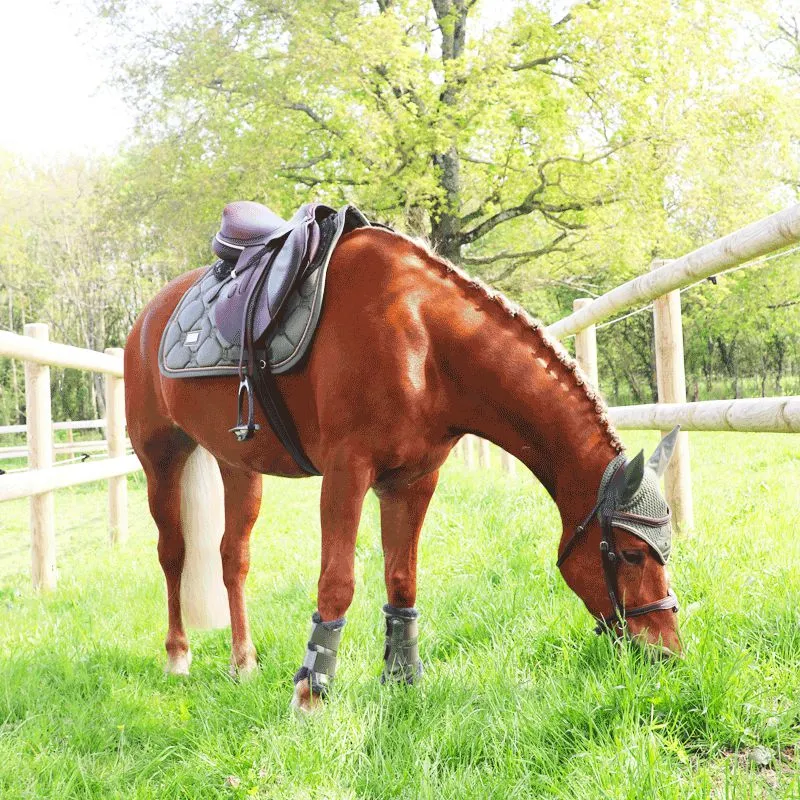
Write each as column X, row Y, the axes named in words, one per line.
column 609, row 558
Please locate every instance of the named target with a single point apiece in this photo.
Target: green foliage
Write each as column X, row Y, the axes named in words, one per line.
column 519, row 698
column 594, row 126
column 554, row 155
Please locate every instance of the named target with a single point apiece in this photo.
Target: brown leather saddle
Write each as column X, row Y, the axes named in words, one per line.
column 263, row 258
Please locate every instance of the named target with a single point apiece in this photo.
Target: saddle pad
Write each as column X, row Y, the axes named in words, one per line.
column 193, row 347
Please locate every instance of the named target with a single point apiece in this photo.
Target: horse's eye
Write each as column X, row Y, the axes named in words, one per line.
column 633, row 556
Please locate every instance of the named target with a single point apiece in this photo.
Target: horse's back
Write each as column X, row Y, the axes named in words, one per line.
column 369, row 372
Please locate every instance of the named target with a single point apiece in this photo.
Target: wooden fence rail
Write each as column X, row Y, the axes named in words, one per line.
column 38, row 482
column 757, row 239
column 662, row 284
column 43, row 478
column 51, row 354
column 759, row 415
column 70, row 448
column 68, row 425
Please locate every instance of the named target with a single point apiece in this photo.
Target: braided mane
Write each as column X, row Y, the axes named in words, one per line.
column 571, row 370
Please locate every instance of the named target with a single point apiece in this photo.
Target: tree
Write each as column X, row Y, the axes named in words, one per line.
column 59, row 265
column 568, row 147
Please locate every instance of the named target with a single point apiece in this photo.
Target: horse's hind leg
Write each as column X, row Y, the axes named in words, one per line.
column 242, row 502
column 403, row 511
column 163, row 457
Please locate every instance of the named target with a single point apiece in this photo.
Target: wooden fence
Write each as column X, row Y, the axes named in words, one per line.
column 662, row 284
column 69, row 448
column 43, row 478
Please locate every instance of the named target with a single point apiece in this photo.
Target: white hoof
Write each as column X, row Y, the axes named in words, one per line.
column 245, row 671
column 179, row 665
column 304, row 702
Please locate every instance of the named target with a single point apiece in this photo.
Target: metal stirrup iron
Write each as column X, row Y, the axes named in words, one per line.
column 240, row 430
column 401, row 655
column 319, row 665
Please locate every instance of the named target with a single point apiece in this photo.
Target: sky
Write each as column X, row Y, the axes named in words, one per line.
column 52, row 99
column 54, row 94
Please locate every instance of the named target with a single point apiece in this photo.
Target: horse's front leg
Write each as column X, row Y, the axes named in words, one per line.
column 403, row 511
column 242, row 502
column 347, row 477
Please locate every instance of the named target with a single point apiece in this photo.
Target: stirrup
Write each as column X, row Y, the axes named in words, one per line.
column 241, row 431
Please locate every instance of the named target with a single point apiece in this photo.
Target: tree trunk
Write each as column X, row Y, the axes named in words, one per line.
column 778, row 348
column 99, row 395
column 14, row 379
column 446, row 224
column 446, row 221
column 708, row 366
column 728, row 354
column 632, row 382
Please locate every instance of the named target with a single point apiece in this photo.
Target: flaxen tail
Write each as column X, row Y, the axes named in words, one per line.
column 204, row 599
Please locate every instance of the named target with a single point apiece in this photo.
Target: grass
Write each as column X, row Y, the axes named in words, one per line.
column 519, row 699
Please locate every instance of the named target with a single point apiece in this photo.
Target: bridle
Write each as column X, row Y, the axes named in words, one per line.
column 609, row 558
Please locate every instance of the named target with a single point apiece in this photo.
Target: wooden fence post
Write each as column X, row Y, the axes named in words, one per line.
column 115, row 436
column 484, row 458
column 508, row 462
column 70, row 441
column 39, row 420
column 586, row 345
column 671, row 378
column 468, row 450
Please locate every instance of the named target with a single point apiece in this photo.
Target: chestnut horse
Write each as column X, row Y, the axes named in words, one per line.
column 410, row 355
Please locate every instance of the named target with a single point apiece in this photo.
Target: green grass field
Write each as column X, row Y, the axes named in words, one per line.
column 519, row 700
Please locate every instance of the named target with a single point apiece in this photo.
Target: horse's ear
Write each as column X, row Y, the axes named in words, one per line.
column 662, row 454
column 632, row 478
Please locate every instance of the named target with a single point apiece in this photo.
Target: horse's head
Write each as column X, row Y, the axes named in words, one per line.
column 615, row 561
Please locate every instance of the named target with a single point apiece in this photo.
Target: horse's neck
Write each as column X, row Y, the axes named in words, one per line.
column 510, row 386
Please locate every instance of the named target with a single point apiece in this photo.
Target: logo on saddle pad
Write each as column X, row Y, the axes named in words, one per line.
column 192, row 337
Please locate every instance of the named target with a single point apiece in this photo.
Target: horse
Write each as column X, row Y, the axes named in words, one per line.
column 410, row 355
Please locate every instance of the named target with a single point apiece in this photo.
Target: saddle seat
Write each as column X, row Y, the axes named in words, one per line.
column 245, row 223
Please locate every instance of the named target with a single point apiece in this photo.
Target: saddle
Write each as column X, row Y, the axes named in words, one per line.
column 263, row 259
column 268, row 255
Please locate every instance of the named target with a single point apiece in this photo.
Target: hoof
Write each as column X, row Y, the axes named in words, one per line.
column 304, row 701
column 244, row 669
column 179, row 665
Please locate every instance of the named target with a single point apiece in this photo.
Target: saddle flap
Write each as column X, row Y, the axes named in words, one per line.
column 236, row 296
column 290, row 261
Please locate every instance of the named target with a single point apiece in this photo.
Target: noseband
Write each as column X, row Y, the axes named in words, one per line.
column 609, row 558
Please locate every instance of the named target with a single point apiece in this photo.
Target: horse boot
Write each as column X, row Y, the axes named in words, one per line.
column 401, row 654
column 314, row 679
